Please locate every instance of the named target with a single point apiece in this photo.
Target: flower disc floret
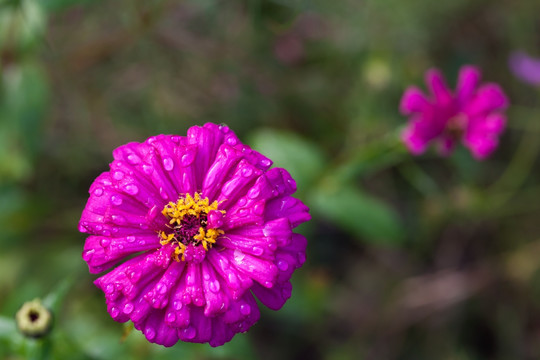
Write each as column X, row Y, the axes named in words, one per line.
column 188, row 220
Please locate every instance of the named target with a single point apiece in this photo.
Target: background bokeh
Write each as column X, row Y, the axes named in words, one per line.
column 408, row 257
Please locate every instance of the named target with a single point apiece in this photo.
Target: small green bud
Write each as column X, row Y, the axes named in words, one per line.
column 33, row 319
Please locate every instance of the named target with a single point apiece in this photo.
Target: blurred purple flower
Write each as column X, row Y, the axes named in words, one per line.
column 525, row 68
column 472, row 115
column 210, row 225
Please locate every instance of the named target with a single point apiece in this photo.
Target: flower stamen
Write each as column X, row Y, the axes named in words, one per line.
column 188, row 220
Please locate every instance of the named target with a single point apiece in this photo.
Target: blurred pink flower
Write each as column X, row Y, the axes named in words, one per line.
column 525, row 68
column 472, row 114
column 201, row 225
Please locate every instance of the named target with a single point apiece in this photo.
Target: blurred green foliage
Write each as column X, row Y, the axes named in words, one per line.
column 408, row 257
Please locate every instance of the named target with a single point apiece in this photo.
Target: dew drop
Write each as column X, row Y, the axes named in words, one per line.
column 189, row 332
column 114, row 312
column 214, row 286
column 128, row 308
column 130, row 239
column 168, row 164
column 109, row 289
column 99, row 228
column 242, row 202
column 245, row 309
column 206, row 276
column 247, row 171
column 118, row 175
column 170, row 318
column 87, row 254
column 148, row 169
column 254, row 192
column 163, row 194
column 131, row 189
column 161, row 288
column 98, row 192
column 177, row 305
column 118, row 219
column 187, row 158
column 133, row 159
column 283, row 265
column 232, row 140
column 150, row 333
column 142, row 242
column 120, row 247
column 116, row 200
column 258, row 209
column 257, row 250
column 105, row 242
column 242, row 212
column 239, row 256
column 268, row 284
column 265, row 162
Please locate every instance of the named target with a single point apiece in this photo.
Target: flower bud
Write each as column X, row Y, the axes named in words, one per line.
column 33, row 319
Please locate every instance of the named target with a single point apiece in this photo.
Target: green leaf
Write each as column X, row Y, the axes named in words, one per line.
column 363, row 215
column 301, row 158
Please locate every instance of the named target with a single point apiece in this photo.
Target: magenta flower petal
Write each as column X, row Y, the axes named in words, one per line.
column 525, row 67
column 473, row 114
column 202, row 224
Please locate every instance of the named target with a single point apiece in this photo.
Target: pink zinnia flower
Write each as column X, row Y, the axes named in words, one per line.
column 472, row 114
column 203, row 225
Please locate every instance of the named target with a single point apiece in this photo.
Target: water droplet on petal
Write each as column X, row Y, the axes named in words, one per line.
column 214, row 286
column 128, row 308
column 168, row 164
column 238, row 255
column 177, row 305
column 242, row 212
column 87, row 254
column 98, row 192
column 247, row 171
column 114, row 312
column 148, row 169
column 131, row 189
column 130, row 239
column 253, row 193
column 283, row 265
column 118, row 219
column 245, row 309
column 161, row 288
column 187, row 158
column 142, row 242
column 105, row 242
column 150, row 333
column 257, row 250
column 133, row 159
column 189, row 332
column 163, row 194
column 118, row 175
column 170, row 317
column 109, row 289
column 241, row 202
column 265, row 162
column 116, row 200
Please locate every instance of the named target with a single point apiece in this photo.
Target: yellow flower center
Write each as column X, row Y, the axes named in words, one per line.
column 188, row 221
